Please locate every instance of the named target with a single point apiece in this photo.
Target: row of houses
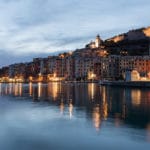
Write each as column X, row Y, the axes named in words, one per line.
column 94, row 62
column 76, row 66
column 114, row 67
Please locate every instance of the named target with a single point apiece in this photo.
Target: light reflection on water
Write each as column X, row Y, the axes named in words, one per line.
column 76, row 112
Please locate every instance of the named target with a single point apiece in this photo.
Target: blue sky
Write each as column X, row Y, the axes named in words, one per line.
column 31, row 28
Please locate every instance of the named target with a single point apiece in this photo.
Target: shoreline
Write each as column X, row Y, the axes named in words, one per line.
column 126, row 83
column 101, row 83
column 53, row 82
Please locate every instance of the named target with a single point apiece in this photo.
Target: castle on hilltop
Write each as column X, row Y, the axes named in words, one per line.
column 95, row 44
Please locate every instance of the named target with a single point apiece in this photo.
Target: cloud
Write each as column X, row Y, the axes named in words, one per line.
column 37, row 26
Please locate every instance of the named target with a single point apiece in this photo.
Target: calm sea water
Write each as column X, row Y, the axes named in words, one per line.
column 57, row 116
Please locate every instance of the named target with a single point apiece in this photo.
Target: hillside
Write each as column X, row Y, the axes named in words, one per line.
column 135, row 42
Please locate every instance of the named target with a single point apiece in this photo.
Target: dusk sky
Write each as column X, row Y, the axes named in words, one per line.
column 32, row 28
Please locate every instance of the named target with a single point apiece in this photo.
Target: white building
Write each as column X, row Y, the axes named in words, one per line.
column 95, row 44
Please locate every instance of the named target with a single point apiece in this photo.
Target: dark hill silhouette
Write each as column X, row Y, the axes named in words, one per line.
column 134, row 42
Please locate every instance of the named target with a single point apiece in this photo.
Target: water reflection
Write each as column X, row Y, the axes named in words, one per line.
column 53, row 89
column 91, row 90
column 105, row 109
column 96, row 117
column 30, row 88
column 124, row 105
column 10, row 88
column 39, row 89
column 62, row 106
column 20, row 89
column 70, row 109
column 136, row 97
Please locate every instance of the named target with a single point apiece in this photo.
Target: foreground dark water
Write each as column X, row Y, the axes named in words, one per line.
column 73, row 116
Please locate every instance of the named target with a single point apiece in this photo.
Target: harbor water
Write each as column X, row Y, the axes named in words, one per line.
column 65, row 116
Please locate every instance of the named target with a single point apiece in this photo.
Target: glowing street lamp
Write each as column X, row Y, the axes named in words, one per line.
column 54, row 75
column 30, row 78
column 91, row 76
column 40, row 78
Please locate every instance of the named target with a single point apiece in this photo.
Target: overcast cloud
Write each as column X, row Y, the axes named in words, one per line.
column 32, row 27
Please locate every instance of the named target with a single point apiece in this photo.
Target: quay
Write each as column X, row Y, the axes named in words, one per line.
column 126, row 83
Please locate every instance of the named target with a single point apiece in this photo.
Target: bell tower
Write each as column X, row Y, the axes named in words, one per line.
column 98, row 41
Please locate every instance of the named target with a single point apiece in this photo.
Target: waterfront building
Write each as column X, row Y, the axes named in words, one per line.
column 83, row 65
column 51, row 65
column 114, row 67
column 36, row 67
column 132, row 75
column 106, row 68
column 60, row 66
column 17, row 72
column 70, row 68
column 30, row 70
column 4, row 74
column 139, row 63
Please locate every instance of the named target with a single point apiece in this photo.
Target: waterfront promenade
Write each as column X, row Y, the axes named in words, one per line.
column 126, row 83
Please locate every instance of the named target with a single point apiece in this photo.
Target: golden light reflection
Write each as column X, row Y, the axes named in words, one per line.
column 16, row 89
column 136, row 97
column 91, row 75
column 105, row 110
column 55, row 75
column 53, row 89
column 30, row 78
column 40, row 78
column 6, row 89
column 62, row 107
column 96, row 117
column 30, row 89
column 91, row 90
column 20, row 89
column 105, row 103
column 39, row 89
column 104, row 94
column 70, row 109
column 10, row 88
column 55, row 78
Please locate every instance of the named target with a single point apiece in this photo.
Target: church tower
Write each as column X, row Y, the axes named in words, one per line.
column 98, row 41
